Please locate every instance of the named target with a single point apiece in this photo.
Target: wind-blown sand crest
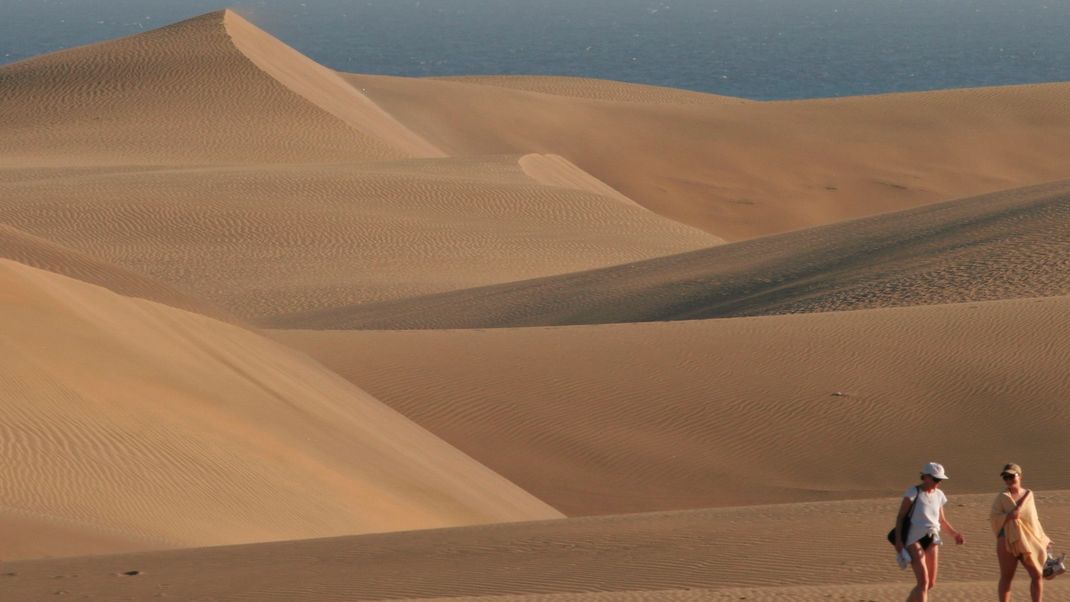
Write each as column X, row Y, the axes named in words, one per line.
column 322, row 87
column 188, row 94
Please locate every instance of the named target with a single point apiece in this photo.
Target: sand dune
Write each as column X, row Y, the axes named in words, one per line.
column 29, row 534
column 555, row 170
column 595, row 89
column 306, row 237
column 153, row 184
column 764, row 551
column 639, row 417
column 189, row 94
column 161, row 426
column 322, row 87
column 746, row 169
column 162, row 153
column 39, row 253
column 1012, row 244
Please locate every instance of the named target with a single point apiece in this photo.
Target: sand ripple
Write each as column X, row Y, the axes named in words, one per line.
column 634, row 417
column 1006, row 245
column 181, row 94
column 151, row 424
column 306, row 237
column 766, row 552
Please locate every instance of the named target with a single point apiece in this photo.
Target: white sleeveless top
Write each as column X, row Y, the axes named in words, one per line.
column 926, row 515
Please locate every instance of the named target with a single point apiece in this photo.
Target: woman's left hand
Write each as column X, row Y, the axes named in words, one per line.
column 960, row 538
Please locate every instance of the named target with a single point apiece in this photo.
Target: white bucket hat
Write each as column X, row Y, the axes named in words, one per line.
column 934, row 470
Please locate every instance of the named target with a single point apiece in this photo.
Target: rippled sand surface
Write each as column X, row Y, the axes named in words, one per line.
column 273, row 332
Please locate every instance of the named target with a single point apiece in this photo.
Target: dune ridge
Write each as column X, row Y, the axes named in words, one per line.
column 160, row 192
column 658, row 416
column 39, row 253
column 322, row 236
column 595, row 89
column 322, row 87
column 1012, row 244
column 625, row 557
column 741, row 170
column 161, row 426
column 555, row 170
column 182, row 94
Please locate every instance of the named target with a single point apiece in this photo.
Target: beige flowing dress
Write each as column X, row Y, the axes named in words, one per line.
column 1023, row 536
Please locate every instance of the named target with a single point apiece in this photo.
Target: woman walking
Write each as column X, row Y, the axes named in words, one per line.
column 925, row 503
column 1019, row 536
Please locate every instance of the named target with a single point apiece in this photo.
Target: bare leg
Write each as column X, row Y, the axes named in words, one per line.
column 920, row 593
column 1007, row 565
column 1036, row 584
column 932, row 557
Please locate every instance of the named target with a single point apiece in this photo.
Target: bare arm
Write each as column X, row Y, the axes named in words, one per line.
column 959, row 537
column 1014, row 514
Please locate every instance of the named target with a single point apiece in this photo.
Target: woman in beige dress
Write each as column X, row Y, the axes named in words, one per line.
column 1019, row 536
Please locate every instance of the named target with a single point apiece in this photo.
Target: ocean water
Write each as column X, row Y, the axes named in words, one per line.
column 760, row 49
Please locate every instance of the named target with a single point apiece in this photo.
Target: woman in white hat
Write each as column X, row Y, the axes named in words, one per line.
column 925, row 503
column 1019, row 536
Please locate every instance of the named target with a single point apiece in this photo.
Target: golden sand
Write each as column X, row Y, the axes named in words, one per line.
column 745, row 323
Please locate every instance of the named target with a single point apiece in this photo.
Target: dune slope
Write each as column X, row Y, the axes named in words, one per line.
column 39, row 253
column 213, row 89
column 639, row 417
column 743, row 169
column 1012, row 244
column 760, row 553
column 595, row 89
column 156, row 425
column 308, row 237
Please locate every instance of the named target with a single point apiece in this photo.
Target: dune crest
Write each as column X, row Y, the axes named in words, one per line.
column 596, row 89
column 158, row 425
column 185, row 94
column 555, row 170
column 322, row 87
column 46, row 255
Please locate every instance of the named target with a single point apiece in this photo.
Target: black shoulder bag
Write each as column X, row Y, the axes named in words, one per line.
column 906, row 520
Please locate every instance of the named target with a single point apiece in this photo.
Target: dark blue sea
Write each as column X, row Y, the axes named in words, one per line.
column 761, row 49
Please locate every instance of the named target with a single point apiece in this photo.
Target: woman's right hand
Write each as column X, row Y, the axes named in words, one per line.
column 1013, row 514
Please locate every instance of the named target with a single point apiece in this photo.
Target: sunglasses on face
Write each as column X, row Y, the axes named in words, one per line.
column 1008, row 477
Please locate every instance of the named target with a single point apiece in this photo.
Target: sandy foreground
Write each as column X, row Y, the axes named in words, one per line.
column 273, row 332
column 680, row 555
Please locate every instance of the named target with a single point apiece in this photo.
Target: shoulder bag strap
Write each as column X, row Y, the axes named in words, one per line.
column 910, row 511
